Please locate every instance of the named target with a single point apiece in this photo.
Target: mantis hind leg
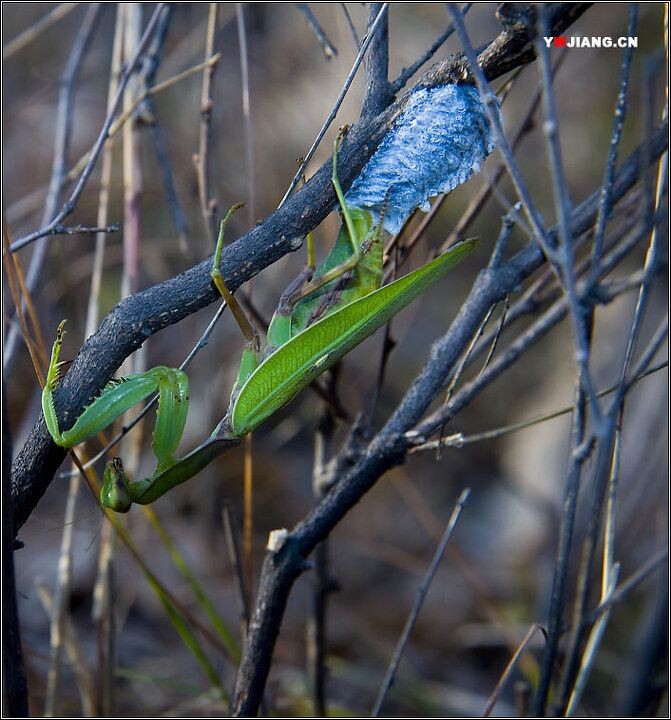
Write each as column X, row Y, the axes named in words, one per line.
column 246, row 327
column 352, row 269
column 251, row 352
column 353, row 234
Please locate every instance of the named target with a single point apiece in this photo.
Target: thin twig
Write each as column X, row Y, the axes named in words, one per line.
column 62, row 132
column 606, row 449
column 408, row 72
column 323, row 584
column 421, row 594
column 63, row 581
column 102, row 611
column 36, row 29
column 248, row 481
column 573, row 481
column 609, row 578
column 148, row 94
column 459, row 440
column 350, row 24
column 148, row 115
column 615, row 137
column 459, row 368
column 378, row 93
column 334, row 111
column 532, row 335
column 208, row 205
column 626, row 586
column 328, row 48
column 247, row 113
column 84, row 230
column 235, row 559
column 581, row 330
column 510, row 667
column 72, row 646
column 71, row 204
column 602, row 465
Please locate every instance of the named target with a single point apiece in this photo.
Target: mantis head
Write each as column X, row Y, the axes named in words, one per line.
column 116, row 491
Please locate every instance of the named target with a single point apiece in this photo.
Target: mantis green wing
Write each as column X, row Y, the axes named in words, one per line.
column 280, row 377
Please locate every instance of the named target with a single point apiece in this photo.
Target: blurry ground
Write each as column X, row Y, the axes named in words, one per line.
column 495, row 579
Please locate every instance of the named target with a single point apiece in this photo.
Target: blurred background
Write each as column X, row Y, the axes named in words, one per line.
column 495, row 579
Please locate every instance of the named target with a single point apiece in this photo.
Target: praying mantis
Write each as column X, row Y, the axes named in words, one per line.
column 321, row 316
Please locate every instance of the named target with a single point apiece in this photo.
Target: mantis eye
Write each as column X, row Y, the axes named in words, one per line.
column 116, row 493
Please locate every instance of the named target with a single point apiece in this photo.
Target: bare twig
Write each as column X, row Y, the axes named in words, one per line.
column 328, row 48
column 602, row 466
column 417, row 607
column 14, row 686
column 247, row 113
column 235, row 559
column 609, row 578
column 348, row 82
column 36, row 29
column 148, row 115
column 408, row 72
column 71, row 204
column 573, row 479
column 616, row 135
column 84, row 230
column 62, row 133
column 208, row 205
column 73, row 648
column 459, row 440
column 350, row 24
column 632, row 582
column 581, row 331
column 323, row 584
column 606, row 448
column 61, row 599
column 510, row 667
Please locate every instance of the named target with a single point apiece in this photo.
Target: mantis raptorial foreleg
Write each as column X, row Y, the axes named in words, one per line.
column 117, row 397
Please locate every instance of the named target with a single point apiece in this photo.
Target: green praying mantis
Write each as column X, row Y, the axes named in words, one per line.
column 321, row 316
